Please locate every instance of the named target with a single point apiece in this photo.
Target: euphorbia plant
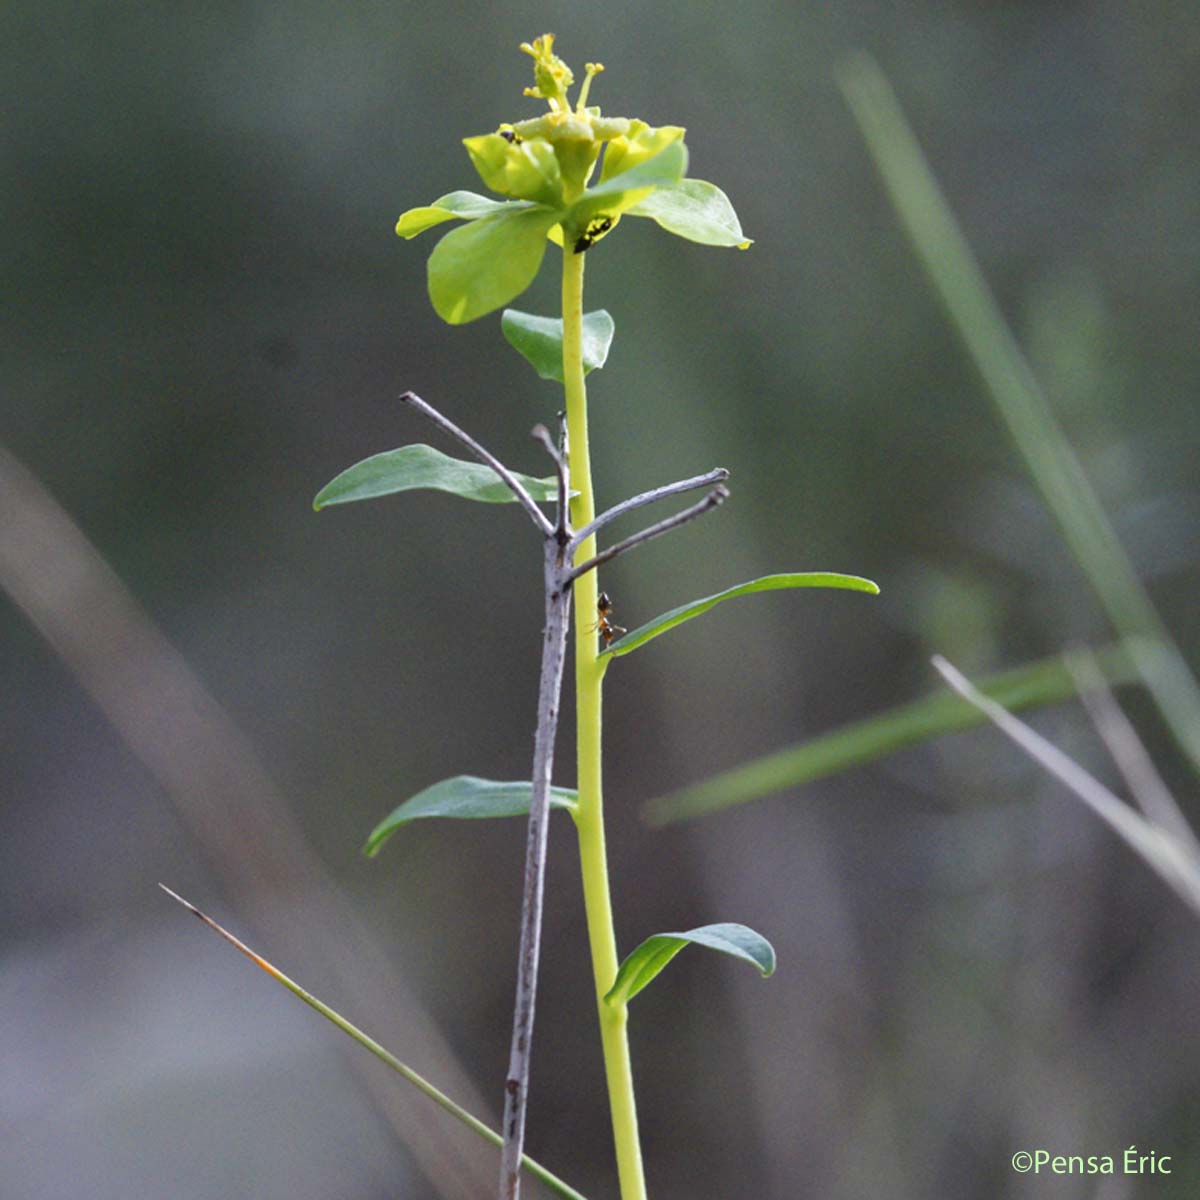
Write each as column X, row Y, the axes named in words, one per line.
column 544, row 167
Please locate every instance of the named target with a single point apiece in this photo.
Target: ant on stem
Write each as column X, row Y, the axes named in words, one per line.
column 604, row 625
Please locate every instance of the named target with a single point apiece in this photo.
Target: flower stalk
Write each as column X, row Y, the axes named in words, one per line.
column 589, row 817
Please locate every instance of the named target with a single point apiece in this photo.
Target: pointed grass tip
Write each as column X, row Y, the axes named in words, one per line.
column 186, row 904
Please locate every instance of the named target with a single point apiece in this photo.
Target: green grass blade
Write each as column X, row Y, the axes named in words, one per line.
column 465, row 798
column 1171, row 858
column 1036, row 684
column 1019, row 399
column 418, row 466
column 644, row 964
column 552, row 1181
column 768, row 583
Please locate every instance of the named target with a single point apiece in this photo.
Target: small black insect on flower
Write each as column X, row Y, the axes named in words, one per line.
column 597, row 227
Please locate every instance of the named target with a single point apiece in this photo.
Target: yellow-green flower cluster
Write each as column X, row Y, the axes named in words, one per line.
column 552, row 78
column 542, row 166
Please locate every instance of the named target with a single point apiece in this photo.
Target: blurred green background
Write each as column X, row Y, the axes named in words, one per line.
column 206, row 316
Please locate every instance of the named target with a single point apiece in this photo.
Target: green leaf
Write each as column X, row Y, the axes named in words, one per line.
column 620, row 193
column 539, row 339
column 695, row 210
column 465, row 798
column 655, row 952
column 484, row 265
column 768, row 583
column 420, row 466
column 462, row 206
column 1044, row 682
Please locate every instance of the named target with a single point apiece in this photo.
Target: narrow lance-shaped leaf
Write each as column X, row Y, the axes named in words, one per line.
column 539, row 340
column 768, row 583
column 484, row 265
column 419, row 466
column 641, row 967
column 1044, row 682
column 466, row 798
column 695, row 210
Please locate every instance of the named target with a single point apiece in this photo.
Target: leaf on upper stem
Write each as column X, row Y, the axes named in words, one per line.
column 539, row 340
column 465, row 798
column 454, row 206
column 1044, row 682
column 655, row 952
column 420, row 466
column 695, row 210
column 768, row 583
column 482, row 266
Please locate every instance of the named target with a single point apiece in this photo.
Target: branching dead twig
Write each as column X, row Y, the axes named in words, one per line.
column 554, row 654
column 719, row 475
column 717, row 496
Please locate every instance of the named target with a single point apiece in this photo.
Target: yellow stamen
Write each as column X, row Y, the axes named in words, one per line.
column 592, row 69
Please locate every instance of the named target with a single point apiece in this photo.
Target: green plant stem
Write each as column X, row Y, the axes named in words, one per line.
column 1020, row 401
column 589, row 816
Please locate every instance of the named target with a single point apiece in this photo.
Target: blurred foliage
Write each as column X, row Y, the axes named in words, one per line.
column 208, row 315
